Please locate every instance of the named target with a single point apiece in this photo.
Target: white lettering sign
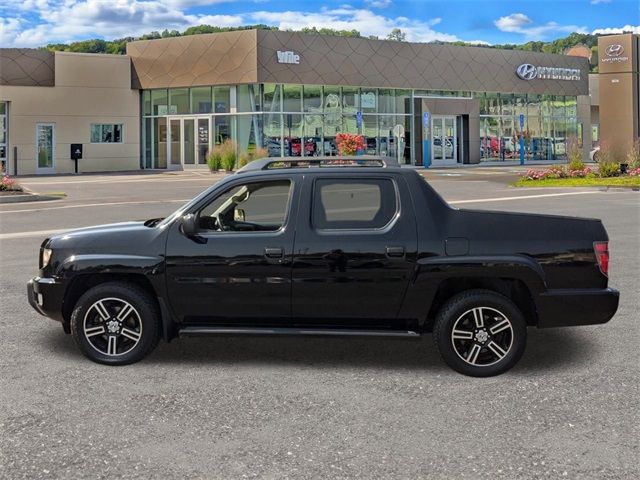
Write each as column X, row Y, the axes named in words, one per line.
column 288, row 57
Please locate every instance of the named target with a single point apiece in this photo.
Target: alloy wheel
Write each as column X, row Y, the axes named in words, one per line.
column 482, row 336
column 112, row 326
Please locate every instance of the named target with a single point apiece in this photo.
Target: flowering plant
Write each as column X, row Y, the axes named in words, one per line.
column 634, row 172
column 556, row 171
column 349, row 144
column 8, row 184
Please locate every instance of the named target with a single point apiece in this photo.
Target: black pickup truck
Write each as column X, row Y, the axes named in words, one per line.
column 327, row 246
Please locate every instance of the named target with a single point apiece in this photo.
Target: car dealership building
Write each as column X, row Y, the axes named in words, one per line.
column 168, row 102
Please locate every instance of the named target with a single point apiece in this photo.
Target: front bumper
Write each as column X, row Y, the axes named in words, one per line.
column 45, row 296
column 567, row 308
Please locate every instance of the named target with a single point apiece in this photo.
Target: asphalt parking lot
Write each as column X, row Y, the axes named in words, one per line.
column 313, row 407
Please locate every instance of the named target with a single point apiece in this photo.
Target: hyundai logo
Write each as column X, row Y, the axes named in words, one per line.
column 614, row 50
column 526, row 71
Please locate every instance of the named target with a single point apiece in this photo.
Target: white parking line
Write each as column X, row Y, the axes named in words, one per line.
column 85, row 205
column 37, row 233
column 523, row 197
column 198, row 178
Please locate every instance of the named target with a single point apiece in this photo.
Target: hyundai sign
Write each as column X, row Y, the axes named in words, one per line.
column 614, row 54
column 527, row 71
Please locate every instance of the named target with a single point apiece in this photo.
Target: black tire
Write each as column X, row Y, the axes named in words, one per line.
column 103, row 337
column 483, row 354
column 596, row 157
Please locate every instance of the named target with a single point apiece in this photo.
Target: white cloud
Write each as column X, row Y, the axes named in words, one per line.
column 614, row 30
column 69, row 20
column 596, row 2
column 348, row 18
column 378, row 3
column 53, row 21
column 513, row 23
column 9, row 29
column 521, row 23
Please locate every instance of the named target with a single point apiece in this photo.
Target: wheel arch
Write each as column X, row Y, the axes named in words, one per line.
column 82, row 283
column 513, row 288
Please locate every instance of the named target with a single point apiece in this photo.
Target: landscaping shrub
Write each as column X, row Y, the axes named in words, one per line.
column 243, row 159
column 214, row 161
column 574, row 155
column 633, row 155
column 8, row 184
column 252, row 155
column 228, row 157
column 608, row 169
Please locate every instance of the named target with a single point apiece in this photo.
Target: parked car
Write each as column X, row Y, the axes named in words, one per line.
column 358, row 247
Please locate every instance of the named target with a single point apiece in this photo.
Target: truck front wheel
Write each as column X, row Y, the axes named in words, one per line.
column 116, row 323
column 480, row 333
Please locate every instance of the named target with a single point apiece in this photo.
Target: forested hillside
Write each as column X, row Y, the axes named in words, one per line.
column 119, row 46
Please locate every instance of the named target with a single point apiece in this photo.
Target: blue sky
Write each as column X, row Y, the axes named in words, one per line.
column 32, row 23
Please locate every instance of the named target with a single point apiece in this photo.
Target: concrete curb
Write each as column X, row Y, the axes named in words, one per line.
column 28, row 197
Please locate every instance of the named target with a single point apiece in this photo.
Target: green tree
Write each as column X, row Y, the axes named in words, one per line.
column 398, row 35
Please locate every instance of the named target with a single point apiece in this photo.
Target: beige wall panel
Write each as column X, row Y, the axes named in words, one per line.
column 617, row 125
column 72, row 110
column 95, row 70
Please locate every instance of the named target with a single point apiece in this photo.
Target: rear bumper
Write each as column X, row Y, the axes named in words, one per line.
column 45, row 296
column 567, row 308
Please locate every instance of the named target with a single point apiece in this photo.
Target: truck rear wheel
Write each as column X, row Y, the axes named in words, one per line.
column 116, row 323
column 480, row 333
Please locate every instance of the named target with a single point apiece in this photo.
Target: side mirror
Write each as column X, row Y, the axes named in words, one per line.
column 188, row 225
column 238, row 215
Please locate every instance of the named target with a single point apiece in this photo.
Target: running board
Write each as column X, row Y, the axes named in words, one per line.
column 197, row 331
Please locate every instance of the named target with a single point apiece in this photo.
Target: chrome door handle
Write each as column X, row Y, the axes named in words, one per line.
column 395, row 251
column 273, row 252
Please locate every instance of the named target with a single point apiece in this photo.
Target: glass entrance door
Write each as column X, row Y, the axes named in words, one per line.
column 173, row 145
column 444, row 139
column 45, row 147
column 189, row 143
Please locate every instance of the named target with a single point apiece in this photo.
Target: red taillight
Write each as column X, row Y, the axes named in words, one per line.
column 602, row 254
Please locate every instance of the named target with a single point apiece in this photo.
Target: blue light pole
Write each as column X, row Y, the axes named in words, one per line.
column 521, row 139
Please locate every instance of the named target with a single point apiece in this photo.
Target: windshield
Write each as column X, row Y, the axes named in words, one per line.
column 180, row 211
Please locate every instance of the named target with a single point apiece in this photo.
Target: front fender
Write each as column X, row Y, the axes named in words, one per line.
column 110, row 263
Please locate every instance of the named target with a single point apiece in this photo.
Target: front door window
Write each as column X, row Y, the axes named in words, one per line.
column 252, row 207
column 45, row 146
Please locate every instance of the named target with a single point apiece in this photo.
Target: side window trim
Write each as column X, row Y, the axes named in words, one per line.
column 232, row 185
column 356, row 231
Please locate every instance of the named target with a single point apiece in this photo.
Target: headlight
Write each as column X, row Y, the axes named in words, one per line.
column 46, row 256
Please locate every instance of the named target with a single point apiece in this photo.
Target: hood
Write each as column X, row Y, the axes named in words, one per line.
column 112, row 238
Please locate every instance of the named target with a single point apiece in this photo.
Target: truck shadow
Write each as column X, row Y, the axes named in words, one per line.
column 547, row 350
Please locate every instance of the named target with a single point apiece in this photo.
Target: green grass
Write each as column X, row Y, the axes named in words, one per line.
column 581, row 182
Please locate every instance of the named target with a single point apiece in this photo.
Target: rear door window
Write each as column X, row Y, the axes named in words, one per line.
column 353, row 204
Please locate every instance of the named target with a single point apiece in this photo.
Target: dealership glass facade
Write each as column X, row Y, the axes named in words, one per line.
column 549, row 121
column 3, row 136
column 180, row 125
